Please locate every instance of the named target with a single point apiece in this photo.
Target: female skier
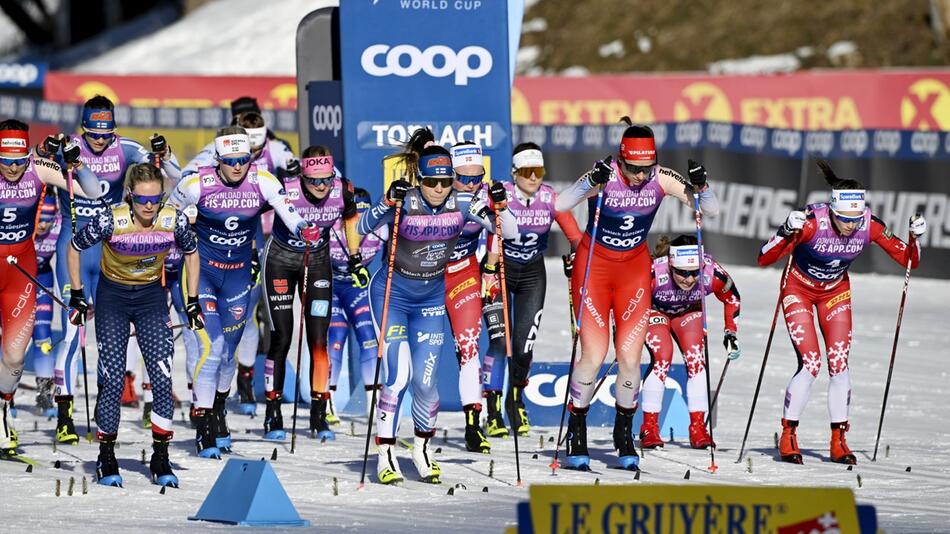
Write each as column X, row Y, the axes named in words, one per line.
column 431, row 217
column 677, row 317
column 823, row 240
column 532, row 203
column 136, row 236
column 48, row 227
column 321, row 198
column 622, row 199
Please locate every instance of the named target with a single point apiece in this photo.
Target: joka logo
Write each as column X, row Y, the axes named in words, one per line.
column 926, row 106
column 702, row 101
column 449, row 63
column 280, row 286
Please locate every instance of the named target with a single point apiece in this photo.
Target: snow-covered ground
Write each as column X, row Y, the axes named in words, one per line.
column 916, row 431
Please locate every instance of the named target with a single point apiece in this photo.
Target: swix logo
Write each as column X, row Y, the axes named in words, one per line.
column 449, row 63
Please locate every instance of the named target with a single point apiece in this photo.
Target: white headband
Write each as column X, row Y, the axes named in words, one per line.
column 467, row 155
column 847, row 200
column 257, row 136
column 232, row 144
column 685, row 257
column 528, row 158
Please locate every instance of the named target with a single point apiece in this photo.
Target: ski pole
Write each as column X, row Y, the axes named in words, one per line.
column 504, row 311
column 597, row 387
column 577, row 330
column 303, row 312
column 722, row 377
column 82, row 329
column 897, row 332
column 12, row 260
column 702, row 305
column 382, row 329
column 765, row 358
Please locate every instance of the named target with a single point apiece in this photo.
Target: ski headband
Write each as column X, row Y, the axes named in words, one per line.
column 638, row 150
column 685, row 257
column 467, row 155
column 527, row 158
column 15, row 142
column 98, row 119
column 232, row 144
column 257, row 136
column 48, row 210
column 435, row 165
column 847, row 200
column 315, row 165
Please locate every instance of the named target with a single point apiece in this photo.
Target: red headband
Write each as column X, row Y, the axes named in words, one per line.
column 638, row 149
column 14, row 142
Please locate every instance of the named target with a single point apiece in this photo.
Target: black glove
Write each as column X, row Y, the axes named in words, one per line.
column 731, row 343
column 697, row 175
column 498, row 195
column 255, row 267
column 78, row 307
column 71, row 153
column 52, row 145
column 568, row 264
column 193, row 310
column 159, row 144
column 397, row 191
column 601, row 172
column 293, row 168
column 358, row 272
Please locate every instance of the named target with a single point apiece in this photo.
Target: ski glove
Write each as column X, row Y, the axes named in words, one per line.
column 78, row 307
column 491, row 285
column 697, row 175
column 195, row 320
column 293, row 167
column 358, row 272
column 794, row 223
column 159, row 145
column 479, row 208
column 53, row 144
column 311, row 234
column 601, row 172
column 918, row 225
column 255, row 267
column 732, row 345
column 498, row 196
column 568, row 264
column 71, row 153
column 397, row 191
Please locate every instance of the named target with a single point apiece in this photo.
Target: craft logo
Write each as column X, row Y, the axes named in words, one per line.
column 926, row 106
column 702, row 101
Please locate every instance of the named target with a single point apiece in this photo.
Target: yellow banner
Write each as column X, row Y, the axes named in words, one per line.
column 669, row 509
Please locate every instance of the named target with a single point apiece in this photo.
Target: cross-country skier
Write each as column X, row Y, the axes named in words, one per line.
column 351, row 304
column 431, row 218
column 229, row 196
column 677, row 317
column 824, row 239
column 108, row 156
column 322, row 199
column 532, row 203
column 48, row 227
column 632, row 188
column 136, row 236
column 24, row 178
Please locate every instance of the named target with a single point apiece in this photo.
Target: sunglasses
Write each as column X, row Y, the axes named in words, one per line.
column 99, row 136
column 9, row 162
column 146, row 199
column 685, row 273
column 435, row 181
column 849, row 220
column 318, row 181
column 469, row 179
column 235, row 162
column 528, row 172
column 634, row 169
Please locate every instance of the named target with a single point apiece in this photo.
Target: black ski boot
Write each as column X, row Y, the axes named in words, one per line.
column 577, row 455
column 160, row 467
column 107, row 468
column 273, row 420
column 65, row 428
column 319, row 427
column 623, row 439
column 517, row 415
column 219, row 422
column 204, row 434
column 245, row 384
column 475, row 440
column 494, row 420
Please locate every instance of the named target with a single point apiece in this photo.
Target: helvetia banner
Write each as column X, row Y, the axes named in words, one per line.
column 406, row 64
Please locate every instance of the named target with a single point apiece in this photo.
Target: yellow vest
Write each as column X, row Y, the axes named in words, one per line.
column 136, row 256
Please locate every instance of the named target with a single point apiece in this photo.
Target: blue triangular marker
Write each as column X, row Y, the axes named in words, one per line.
column 248, row 493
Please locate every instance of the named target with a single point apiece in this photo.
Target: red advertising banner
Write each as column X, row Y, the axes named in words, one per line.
column 815, row 100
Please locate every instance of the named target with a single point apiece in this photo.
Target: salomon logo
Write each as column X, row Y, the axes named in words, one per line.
column 460, row 64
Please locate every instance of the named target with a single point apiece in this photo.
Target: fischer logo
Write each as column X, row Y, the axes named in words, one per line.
column 18, row 74
column 449, row 63
column 854, row 141
column 752, row 136
column 787, row 141
column 327, row 118
column 819, row 142
column 924, row 143
column 719, row 134
column 887, row 141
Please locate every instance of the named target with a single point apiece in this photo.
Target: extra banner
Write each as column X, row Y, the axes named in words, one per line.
column 403, row 68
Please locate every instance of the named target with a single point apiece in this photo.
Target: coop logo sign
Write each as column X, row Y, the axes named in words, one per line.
column 20, row 75
column 437, row 61
column 327, row 119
